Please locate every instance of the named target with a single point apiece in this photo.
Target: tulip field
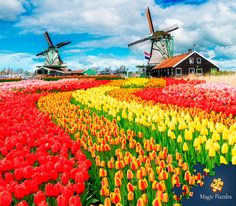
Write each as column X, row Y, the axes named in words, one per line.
column 108, row 142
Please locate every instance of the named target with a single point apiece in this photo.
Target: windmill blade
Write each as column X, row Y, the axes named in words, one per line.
column 149, row 17
column 48, row 39
column 62, row 44
column 139, row 41
column 171, row 28
column 42, row 53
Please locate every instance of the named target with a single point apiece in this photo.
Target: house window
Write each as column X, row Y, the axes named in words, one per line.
column 199, row 60
column 191, row 70
column 199, row 71
column 178, row 71
column 191, row 60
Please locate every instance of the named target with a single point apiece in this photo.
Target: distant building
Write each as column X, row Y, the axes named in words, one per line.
column 57, row 72
column 77, row 72
column 184, row 64
column 90, row 72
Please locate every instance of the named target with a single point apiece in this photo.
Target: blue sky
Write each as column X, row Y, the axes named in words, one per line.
column 100, row 30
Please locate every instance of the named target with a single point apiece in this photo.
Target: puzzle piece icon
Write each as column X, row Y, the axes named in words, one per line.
column 217, row 185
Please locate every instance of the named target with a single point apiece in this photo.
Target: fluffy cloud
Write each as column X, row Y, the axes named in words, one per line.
column 209, row 25
column 103, row 62
column 10, row 9
column 99, row 17
column 12, row 60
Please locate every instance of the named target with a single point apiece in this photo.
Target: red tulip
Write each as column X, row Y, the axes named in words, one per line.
column 61, row 201
column 22, row 203
column 75, row 201
column 5, row 198
column 39, row 197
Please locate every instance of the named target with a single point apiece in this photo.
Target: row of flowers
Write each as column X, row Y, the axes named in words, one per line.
column 39, row 163
column 133, row 168
column 35, row 86
column 138, row 83
column 174, row 129
column 220, row 98
column 129, row 95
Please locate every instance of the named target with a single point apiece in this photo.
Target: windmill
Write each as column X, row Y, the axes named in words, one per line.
column 53, row 59
column 162, row 43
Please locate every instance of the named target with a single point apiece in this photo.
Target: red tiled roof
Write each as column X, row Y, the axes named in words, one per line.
column 77, row 71
column 170, row 62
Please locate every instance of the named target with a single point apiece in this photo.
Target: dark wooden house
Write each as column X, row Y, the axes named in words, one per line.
column 184, row 64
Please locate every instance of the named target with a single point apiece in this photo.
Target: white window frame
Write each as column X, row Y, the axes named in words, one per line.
column 191, row 60
column 191, row 69
column 201, row 71
column 199, row 60
column 180, row 69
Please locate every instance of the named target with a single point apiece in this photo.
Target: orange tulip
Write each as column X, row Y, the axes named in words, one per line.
column 187, row 175
column 107, row 202
column 139, row 174
column 118, row 181
column 105, row 182
column 104, row 191
column 130, row 187
column 130, row 175
column 156, row 202
column 161, row 186
column 142, row 184
column 115, row 197
column 154, row 185
column 145, row 198
column 140, row 202
column 165, row 197
column 151, row 177
column 134, row 165
column 130, row 196
column 185, row 190
column 102, row 172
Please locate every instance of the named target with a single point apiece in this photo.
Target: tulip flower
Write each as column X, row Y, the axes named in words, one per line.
column 129, row 175
column 140, row 202
column 130, row 187
column 224, row 148
column 130, row 196
column 5, row 198
column 156, row 202
column 234, row 160
column 142, row 184
column 212, row 152
column 223, row 160
column 185, row 147
column 115, row 197
column 107, row 202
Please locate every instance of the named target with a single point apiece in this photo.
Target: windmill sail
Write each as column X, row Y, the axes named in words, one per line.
column 52, row 57
column 48, row 39
column 161, row 41
column 149, row 18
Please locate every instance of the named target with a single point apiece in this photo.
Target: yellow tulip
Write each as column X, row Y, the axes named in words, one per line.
column 234, row 160
column 185, row 147
column 179, row 139
column 223, row 160
column 224, row 148
column 212, row 152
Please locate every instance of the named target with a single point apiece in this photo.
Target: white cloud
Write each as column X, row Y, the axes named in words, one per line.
column 10, row 9
column 103, row 62
column 18, row 60
column 100, row 17
column 211, row 26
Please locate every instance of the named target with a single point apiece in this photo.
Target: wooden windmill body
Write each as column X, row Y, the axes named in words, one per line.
column 53, row 61
column 162, row 43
